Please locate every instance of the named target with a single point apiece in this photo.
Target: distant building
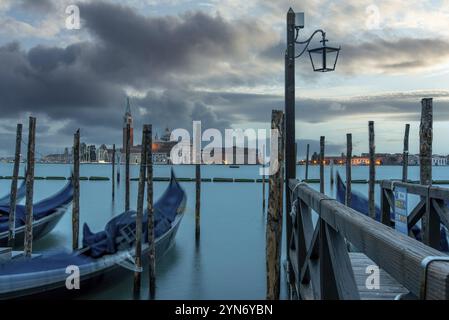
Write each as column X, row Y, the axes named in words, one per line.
column 386, row 159
column 163, row 145
column 102, row 154
column 360, row 161
column 127, row 119
column 439, row 160
column 160, row 158
column 413, row 160
column 92, row 153
column 53, row 158
column 83, row 152
column 67, row 155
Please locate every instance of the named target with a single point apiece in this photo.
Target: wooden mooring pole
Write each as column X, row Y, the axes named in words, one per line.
column 127, row 158
column 113, row 172
column 197, row 160
column 263, row 181
column 76, row 191
column 28, row 241
column 150, row 208
column 119, row 162
column 275, row 208
column 331, row 163
column 307, row 162
column 372, row 171
column 430, row 221
column 322, row 142
column 139, row 215
column 405, row 154
column 348, row 168
column 13, row 195
column 197, row 200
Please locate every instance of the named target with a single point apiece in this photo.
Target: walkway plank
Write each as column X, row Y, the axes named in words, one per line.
column 389, row 288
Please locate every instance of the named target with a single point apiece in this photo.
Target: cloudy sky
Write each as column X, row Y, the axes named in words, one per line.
column 221, row 62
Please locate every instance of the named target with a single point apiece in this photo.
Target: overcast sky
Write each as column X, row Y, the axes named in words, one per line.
column 221, row 62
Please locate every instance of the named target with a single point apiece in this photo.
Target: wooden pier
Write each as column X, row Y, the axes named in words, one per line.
column 320, row 266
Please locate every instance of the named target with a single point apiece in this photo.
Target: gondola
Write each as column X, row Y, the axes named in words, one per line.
column 360, row 203
column 46, row 214
column 104, row 254
column 21, row 191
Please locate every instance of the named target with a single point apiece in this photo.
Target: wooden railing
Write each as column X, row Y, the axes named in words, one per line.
column 319, row 263
column 432, row 205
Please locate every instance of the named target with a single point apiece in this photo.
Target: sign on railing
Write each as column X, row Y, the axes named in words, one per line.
column 400, row 209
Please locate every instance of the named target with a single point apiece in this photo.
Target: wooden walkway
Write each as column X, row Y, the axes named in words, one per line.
column 320, row 267
column 388, row 289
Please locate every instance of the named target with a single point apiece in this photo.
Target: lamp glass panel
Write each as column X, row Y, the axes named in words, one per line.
column 331, row 57
column 317, row 59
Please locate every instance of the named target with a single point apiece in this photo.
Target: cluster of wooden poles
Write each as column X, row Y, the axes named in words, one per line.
column 425, row 156
column 147, row 176
column 276, row 185
column 145, row 180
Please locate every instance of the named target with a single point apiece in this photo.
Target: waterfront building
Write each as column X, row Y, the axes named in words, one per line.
column 102, row 154
column 92, row 153
column 439, row 160
column 83, row 152
column 413, row 160
column 160, row 158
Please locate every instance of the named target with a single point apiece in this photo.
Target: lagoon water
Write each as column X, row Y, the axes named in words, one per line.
column 229, row 260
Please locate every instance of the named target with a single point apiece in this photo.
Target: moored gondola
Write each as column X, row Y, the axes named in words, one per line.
column 46, row 214
column 21, row 192
column 105, row 253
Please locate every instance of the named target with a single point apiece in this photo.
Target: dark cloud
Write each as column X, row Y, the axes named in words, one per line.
column 50, row 81
column 377, row 55
column 83, row 83
column 330, row 149
column 137, row 50
column 391, row 56
column 167, row 58
column 241, row 107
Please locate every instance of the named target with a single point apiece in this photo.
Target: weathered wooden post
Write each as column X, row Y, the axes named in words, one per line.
column 76, row 191
column 331, row 163
column 372, row 171
column 263, row 181
column 127, row 158
column 13, row 195
column 197, row 160
column 430, row 221
column 139, row 215
column 275, row 208
column 119, row 166
column 197, row 200
column 307, row 162
column 150, row 233
column 405, row 154
column 290, row 163
column 28, row 241
column 322, row 139
column 113, row 171
column 348, row 168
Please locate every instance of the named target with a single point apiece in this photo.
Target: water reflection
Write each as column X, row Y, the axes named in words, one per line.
column 227, row 262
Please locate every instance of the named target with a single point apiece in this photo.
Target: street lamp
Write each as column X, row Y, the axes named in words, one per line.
column 323, row 59
column 320, row 56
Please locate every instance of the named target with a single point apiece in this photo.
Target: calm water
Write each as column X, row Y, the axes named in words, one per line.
column 228, row 263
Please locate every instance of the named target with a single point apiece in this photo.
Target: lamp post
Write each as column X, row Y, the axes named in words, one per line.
column 323, row 59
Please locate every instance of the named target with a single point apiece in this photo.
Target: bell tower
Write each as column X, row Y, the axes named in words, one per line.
column 128, row 119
